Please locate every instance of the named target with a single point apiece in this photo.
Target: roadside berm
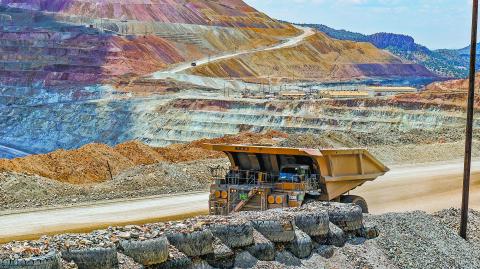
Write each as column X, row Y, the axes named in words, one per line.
column 319, row 235
column 239, row 240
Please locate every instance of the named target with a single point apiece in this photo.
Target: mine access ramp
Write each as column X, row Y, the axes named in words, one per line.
column 266, row 177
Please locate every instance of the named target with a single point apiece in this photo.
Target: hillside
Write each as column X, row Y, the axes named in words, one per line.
column 199, row 12
column 65, row 42
column 458, row 86
column 445, row 63
column 318, row 58
column 460, row 55
column 70, row 45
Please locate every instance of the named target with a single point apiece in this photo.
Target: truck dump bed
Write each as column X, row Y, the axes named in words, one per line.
column 342, row 170
column 339, row 170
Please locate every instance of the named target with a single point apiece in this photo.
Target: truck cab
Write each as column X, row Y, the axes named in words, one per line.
column 294, row 173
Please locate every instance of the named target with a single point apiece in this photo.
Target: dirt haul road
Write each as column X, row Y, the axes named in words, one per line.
column 428, row 187
column 290, row 42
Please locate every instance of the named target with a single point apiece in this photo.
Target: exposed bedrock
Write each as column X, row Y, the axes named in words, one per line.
column 61, row 49
column 230, row 13
column 161, row 121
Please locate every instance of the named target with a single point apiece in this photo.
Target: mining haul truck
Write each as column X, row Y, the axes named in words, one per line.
column 265, row 177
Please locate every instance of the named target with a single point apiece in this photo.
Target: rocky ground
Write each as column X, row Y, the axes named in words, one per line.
column 140, row 171
column 407, row 240
column 20, row 191
column 96, row 163
column 450, row 217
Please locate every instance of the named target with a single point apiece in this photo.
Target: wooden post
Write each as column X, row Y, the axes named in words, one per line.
column 469, row 128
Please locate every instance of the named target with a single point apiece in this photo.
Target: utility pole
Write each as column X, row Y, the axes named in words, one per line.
column 469, row 128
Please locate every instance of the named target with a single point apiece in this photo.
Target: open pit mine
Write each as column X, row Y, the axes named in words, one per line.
column 77, row 72
column 107, row 109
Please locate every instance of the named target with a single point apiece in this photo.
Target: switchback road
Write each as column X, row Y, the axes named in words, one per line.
column 290, row 42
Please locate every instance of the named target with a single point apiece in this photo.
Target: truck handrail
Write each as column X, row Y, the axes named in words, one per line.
column 251, row 177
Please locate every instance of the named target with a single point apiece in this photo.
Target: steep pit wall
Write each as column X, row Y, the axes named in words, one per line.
column 190, row 119
column 162, row 121
column 50, row 57
column 224, row 13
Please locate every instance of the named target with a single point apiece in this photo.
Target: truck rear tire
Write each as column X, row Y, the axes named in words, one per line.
column 356, row 200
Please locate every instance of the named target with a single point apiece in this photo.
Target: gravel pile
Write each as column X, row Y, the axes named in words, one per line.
column 185, row 226
column 96, row 239
column 20, row 191
column 136, row 232
column 230, row 219
column 317, row 206
column 450, row 218
column 419, row 240
column 26, row 249
column 29, row 191
column 163, row 178
column 94, row 163
column 272, row 214
column 160, row 229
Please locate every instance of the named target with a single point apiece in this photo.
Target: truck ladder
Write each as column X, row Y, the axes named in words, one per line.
column 242, row 203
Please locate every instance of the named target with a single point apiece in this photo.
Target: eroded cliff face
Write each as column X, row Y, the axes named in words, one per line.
column 160, row 121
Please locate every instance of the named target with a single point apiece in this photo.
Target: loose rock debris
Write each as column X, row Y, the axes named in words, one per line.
column 406, row 240
column 111, row 238
column 141, row 171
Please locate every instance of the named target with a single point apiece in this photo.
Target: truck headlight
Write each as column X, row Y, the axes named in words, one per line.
column 224, row 194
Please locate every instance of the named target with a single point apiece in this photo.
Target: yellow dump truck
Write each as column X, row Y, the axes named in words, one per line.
column 266, row 177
